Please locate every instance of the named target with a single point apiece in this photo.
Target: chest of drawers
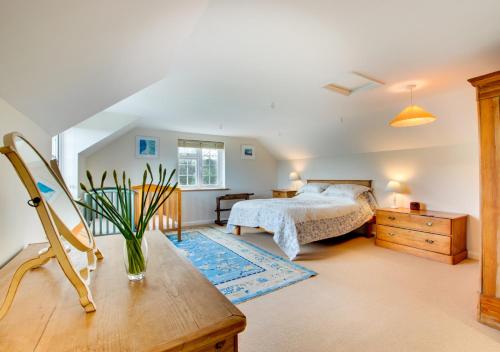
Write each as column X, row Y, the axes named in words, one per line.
column 435, row 235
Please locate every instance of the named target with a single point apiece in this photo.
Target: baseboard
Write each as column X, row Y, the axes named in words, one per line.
column 198, row 222
column 473, row 255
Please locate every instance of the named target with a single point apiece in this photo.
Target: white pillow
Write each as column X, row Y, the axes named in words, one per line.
column 346, row 191
column 312, row 188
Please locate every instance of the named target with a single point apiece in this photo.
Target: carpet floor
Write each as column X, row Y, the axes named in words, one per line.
column 367, row 298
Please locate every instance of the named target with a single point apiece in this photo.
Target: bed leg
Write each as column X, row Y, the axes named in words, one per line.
column 368, row 230
column 237, row 230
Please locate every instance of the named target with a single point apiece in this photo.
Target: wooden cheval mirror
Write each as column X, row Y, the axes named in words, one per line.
column 70, row 241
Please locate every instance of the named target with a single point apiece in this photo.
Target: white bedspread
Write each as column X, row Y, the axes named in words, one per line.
column 305, row 218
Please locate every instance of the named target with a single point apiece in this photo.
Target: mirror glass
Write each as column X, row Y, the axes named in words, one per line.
column 61, row 205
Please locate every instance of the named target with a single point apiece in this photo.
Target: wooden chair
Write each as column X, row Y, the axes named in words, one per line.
column 169, row 215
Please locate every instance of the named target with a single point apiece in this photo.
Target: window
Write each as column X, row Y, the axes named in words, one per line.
column 188, row 162
column 201, row 164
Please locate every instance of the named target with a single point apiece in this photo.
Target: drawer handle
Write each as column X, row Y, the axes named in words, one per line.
column 429, row 241
column 391, row 234
column 429, row 223
column 392, row 218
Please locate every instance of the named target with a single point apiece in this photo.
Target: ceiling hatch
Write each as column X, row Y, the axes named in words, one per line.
column 353, row 82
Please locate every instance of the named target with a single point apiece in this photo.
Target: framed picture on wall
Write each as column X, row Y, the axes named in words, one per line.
column 147, row 147
column 247, row 152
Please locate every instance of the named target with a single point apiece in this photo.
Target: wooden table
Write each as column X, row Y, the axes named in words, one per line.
column 174, row 309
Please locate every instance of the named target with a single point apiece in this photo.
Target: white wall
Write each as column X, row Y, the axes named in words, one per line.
column 19, row 223
column 256, row 176
column 444, row 178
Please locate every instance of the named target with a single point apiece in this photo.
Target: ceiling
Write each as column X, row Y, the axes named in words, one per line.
column 252, row 68
column 63, row 61
column 257, row 69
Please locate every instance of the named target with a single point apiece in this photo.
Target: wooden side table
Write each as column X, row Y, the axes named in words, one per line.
column 283, row 193
column 218, row 209
column 175, row 308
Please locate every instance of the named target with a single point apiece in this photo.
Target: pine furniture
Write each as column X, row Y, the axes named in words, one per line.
column 488, row 106
column 283, row 193
column 431, row 234
column 174, row 309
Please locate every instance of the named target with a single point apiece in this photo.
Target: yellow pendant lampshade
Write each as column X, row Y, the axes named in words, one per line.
column 412, row 115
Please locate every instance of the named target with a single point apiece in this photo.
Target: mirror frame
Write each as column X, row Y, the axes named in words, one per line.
column 10, row 142
column 54, row 229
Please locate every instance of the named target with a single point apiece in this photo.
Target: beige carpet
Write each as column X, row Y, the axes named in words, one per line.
column 367, row 298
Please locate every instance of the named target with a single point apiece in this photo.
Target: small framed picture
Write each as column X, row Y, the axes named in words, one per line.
column 147, row 147
column 247, row 152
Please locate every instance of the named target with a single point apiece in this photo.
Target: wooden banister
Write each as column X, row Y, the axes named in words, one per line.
column 169, row 215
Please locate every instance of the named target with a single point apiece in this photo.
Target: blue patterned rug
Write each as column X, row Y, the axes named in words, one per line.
column 240, row 270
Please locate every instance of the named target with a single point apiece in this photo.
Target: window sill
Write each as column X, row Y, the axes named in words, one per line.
column 202, row 189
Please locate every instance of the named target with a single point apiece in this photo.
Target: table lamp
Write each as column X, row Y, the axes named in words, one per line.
column 395, row 188
column 293, row 176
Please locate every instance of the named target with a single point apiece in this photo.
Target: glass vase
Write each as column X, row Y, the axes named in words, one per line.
column 135, row 257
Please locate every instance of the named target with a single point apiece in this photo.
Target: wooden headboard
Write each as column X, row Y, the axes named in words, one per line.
column 367, row 183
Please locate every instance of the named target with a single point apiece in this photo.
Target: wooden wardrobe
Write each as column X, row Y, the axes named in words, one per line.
column 488, row 104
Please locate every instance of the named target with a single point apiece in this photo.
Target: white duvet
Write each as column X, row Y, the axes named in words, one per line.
column 305, row 218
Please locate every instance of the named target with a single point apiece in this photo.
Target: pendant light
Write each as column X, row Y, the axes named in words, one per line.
column 413, row 115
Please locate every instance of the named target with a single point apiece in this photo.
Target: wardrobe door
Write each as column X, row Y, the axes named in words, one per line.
column 488, row 99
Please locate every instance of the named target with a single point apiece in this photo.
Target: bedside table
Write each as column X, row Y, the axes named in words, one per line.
column 431, row 234
column 283, row 193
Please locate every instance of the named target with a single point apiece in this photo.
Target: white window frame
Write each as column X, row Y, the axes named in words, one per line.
column 199, row 169
column 179, row 175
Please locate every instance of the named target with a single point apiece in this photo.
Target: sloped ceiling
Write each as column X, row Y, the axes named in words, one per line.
column 63, row 61
column 257, row 68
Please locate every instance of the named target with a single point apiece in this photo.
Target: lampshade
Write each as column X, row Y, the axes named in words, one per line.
column 393, row 186
column 413, row 115
column 293, row 176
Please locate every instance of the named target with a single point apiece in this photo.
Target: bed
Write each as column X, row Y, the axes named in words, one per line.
column 307, row 217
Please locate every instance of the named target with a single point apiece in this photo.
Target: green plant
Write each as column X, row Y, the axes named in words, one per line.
column 121, row 216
